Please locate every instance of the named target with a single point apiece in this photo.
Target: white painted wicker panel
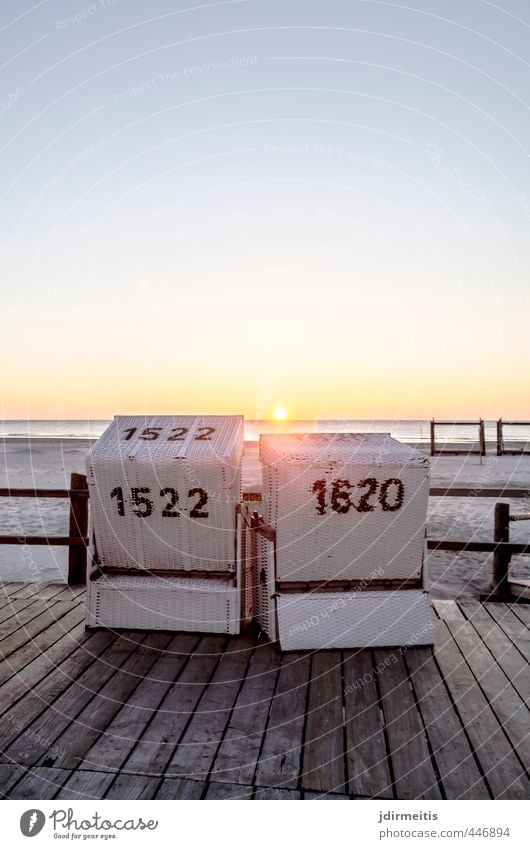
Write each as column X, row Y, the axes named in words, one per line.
column 354, row 620
column 193, row 459
column 264, row 585
column 328, row 525
column 168, row 604
column 118, row 539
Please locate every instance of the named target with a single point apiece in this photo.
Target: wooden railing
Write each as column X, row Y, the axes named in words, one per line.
column 500, row 439
column 77, row 539
column 441, row 451
column 501, row 547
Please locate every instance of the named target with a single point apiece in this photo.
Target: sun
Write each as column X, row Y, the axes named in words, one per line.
column 279, row 413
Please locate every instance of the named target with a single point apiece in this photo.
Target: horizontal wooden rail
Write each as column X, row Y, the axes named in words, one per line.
column 478, row 492
column 43, row 540
column 449, row 423
column 12, row 492
column 482, row 547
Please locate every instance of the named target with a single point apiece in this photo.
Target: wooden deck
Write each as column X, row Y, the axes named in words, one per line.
column 180, row 716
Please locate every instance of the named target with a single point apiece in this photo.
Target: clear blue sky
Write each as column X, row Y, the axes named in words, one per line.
column 229, row 206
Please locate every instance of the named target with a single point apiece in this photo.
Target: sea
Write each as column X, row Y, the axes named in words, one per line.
column 406, row 430
column 60, row 447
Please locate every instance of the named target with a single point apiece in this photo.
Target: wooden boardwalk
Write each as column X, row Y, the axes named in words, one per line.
column 181, row 716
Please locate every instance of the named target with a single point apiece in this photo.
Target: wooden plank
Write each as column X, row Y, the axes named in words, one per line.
column 508, row 706
column 94, row 717
column 196, row 751
column 43, row 652
column 413, row 769
column 39, row 783
column 180, row 788
column 27, row 590
column 499, row 764
column 156, row 745
column 34, row 626
column 10, row 588
column 56, row 717
column 314, row 796
column 500, row 646
column 61, row 592
column 238, row 753
column 228, row 791
column 512, row 626
column 323, row 755
column 85, row 784
column 9, row 775
column 447, row 610
column 276, row 793
column 366, row 752
column 21, row 619
column 12, row 608
column 459, row 773
column 280, row 759
column 133, row 787
column 522, row 611
column 113, row 747
column 31, row 588
column 26, row 704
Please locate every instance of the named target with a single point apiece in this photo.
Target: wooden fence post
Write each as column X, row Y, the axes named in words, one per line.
column 432, row 438
column 501, row 559
column 499, row 437
column 482, row 437
column 77, row 554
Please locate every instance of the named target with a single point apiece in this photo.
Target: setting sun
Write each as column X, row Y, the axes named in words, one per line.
column 279, row 413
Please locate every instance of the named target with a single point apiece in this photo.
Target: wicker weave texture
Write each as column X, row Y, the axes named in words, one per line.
column 354, row 620
column 164, row 489
column 164, row 603
column 345, row 505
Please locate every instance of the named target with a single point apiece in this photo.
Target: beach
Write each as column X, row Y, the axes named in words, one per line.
column 45, row 462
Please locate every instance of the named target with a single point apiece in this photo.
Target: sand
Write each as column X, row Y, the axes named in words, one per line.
column 49, row 462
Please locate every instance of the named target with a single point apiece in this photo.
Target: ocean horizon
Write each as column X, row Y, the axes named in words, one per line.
column 408, row 430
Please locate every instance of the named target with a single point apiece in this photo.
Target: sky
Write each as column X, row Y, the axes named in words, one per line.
column 225, row 207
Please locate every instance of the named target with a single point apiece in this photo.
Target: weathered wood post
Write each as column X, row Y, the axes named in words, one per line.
column 501, row 559
column 77, row 553
column 499, row 438
column 432, row 437
column 482, row 437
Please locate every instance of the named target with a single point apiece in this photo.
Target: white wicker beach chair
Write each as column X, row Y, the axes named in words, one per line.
column 163, row 496
column 347, row 566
